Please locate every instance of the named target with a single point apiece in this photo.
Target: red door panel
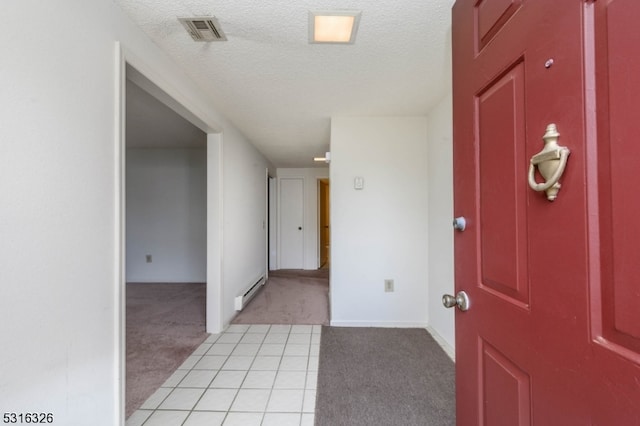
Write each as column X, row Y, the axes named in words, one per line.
column 553, row 333
column 506, row 390
column 503, row 233
column 618, row 139
column 612, row 34
column 491, row 15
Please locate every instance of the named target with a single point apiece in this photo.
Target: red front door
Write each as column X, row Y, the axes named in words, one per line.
column 552, row 336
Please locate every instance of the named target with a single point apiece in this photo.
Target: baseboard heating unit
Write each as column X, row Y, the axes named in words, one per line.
column 242, row 300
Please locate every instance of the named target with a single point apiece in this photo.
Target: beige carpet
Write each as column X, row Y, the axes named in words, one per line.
column 290, row 297
column 165, row 324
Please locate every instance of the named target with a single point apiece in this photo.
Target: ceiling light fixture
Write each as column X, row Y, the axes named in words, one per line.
column 326, row 158
column 333, row 26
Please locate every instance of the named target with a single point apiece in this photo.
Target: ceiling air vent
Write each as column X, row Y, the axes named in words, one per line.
column 204, row 28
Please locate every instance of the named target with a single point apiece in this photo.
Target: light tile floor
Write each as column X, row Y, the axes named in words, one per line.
column 249, row 375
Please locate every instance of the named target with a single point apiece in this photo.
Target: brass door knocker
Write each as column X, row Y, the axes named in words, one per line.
column 551, row 162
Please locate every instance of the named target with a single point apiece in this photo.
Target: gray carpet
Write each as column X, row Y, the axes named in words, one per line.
column 290, row 297
column 383, row 376
column 165, row 324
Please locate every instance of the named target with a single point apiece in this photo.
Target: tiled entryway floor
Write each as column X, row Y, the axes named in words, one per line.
column 249, row 375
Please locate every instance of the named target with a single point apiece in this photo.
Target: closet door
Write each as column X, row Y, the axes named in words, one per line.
column 291, row 223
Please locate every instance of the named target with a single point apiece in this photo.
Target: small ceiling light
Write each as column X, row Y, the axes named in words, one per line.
column 326, row 158
column 333, row 26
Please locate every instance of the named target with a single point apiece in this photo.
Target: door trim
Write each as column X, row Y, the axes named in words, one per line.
column 319, row 182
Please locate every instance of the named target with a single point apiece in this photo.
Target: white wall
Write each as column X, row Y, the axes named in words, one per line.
column 310, row 221
column 379, row 232
column 215, row 233
column 273, row 223
column 244, row 218
column 441, row 278
column 60, row 222
column 166, row 215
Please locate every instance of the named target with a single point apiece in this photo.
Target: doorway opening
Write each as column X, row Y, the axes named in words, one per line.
column 193, row 253
column 165, row 241
column 324, row 220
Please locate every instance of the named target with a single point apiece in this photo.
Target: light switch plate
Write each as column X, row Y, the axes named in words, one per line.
column 358, row 182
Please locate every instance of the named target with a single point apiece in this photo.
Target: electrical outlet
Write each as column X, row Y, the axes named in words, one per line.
column 388, row 286
column 149, row 258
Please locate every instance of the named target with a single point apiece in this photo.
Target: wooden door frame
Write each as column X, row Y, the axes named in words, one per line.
column 320, row 181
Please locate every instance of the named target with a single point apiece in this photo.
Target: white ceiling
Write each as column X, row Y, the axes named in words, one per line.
column 281, row 91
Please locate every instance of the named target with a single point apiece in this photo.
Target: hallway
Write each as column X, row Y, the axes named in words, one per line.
column 290, row 297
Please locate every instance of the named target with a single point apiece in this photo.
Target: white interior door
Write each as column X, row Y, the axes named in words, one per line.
column 291, row 223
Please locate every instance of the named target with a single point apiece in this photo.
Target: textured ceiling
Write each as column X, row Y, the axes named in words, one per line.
column 281, row 91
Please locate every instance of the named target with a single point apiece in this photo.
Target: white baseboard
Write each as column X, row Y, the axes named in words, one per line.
column 384, row 324
column 443, row 343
